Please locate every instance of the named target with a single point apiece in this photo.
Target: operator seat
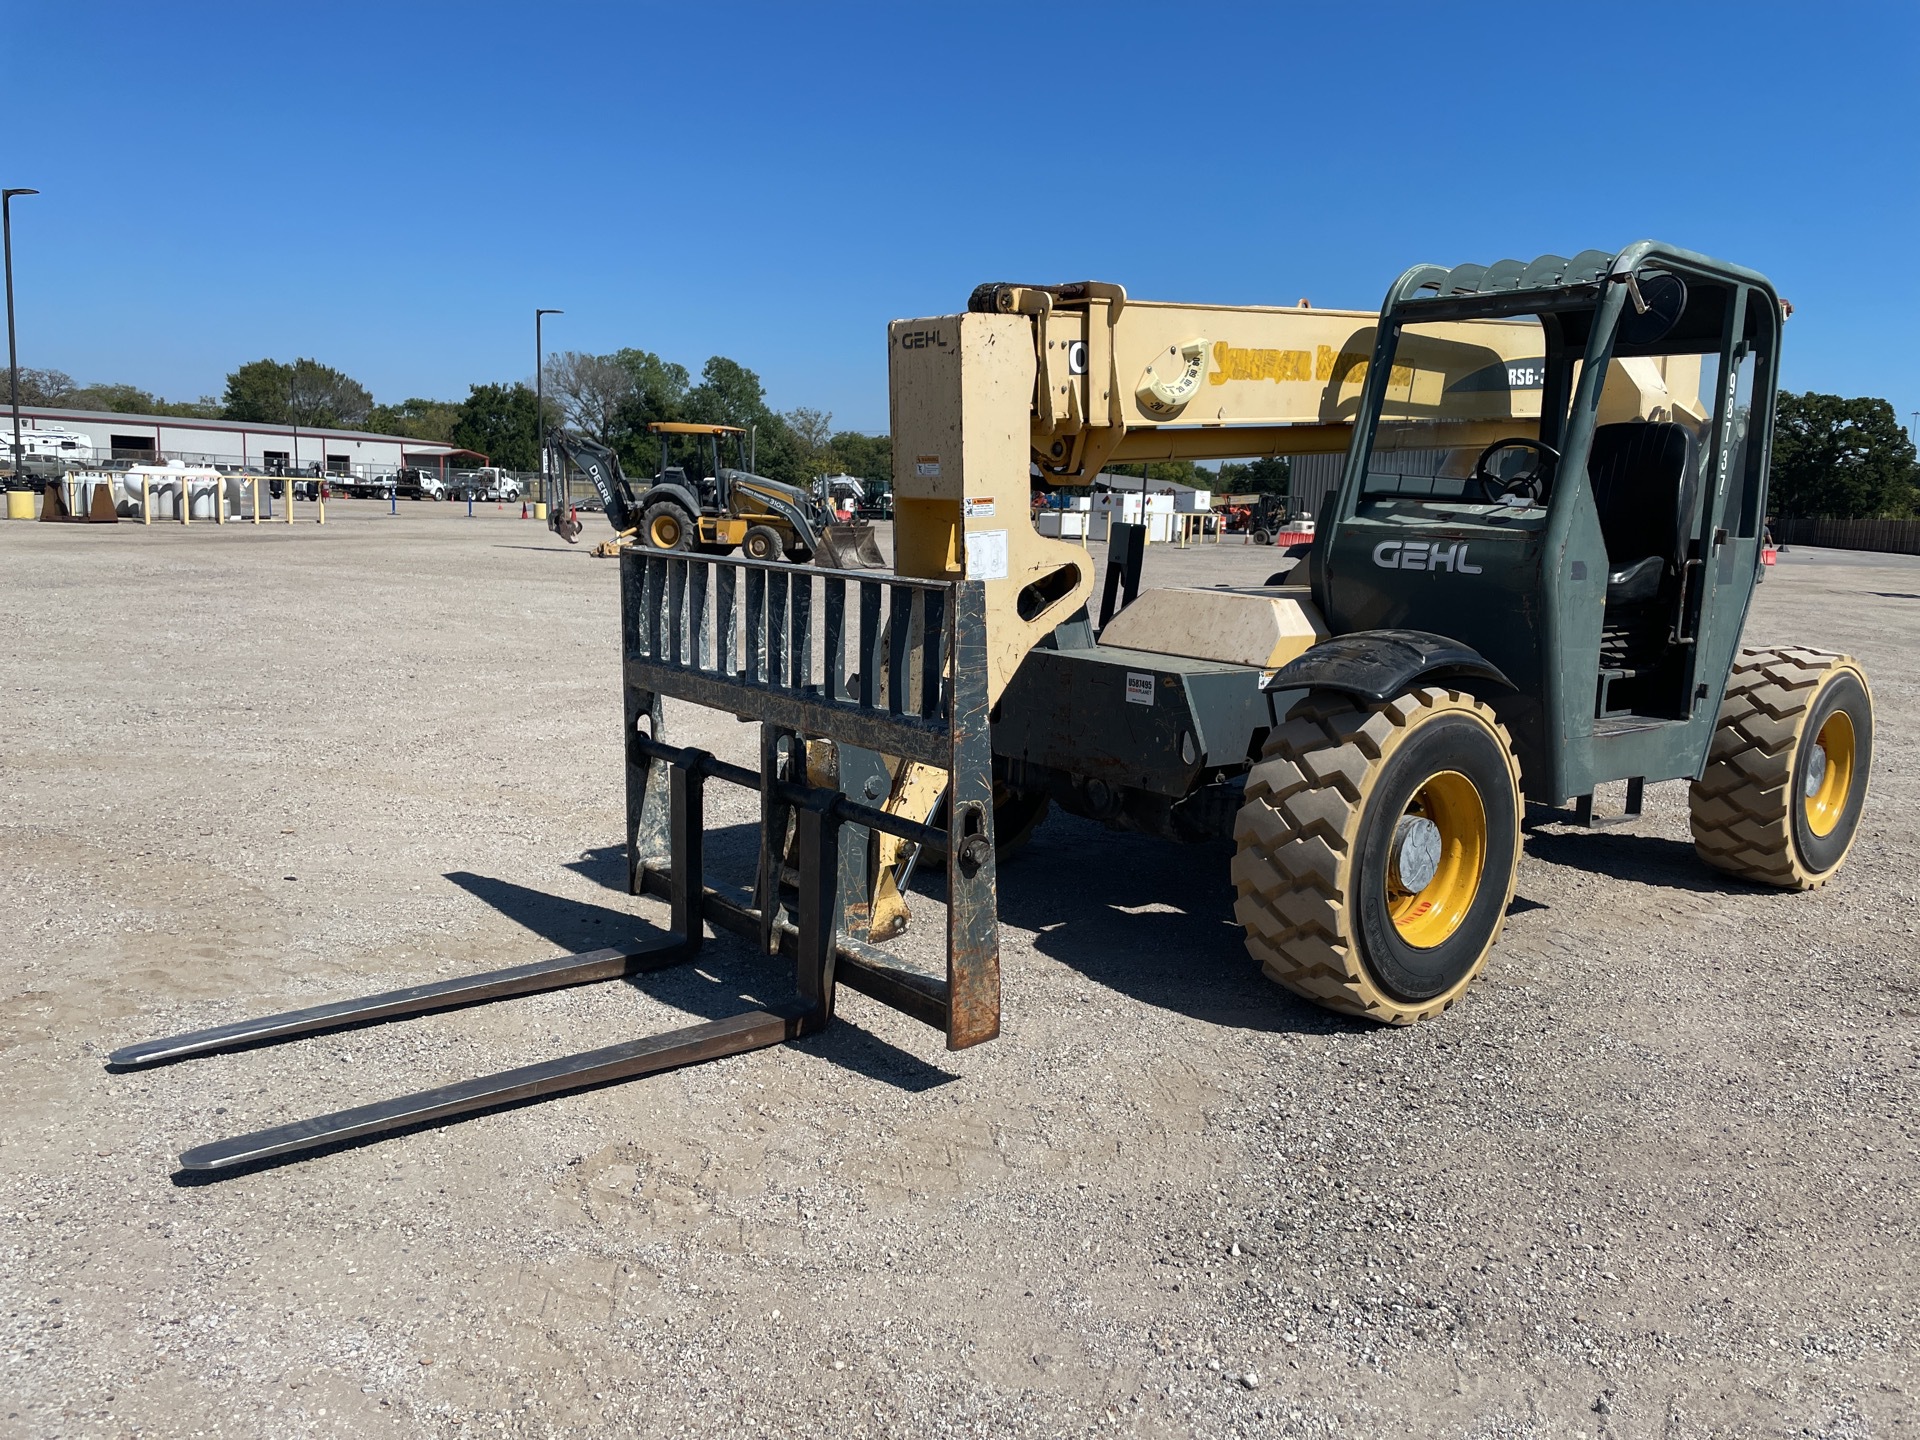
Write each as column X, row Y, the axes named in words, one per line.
column 1643, row 480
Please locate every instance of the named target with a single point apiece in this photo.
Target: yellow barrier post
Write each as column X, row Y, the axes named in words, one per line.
column 186, row 503
column 146, row 500
column 286, row 487
column 219, row 500
column 320, row 503
column 253, row 483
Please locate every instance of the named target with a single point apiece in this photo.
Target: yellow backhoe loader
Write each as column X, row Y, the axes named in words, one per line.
column 705, row 497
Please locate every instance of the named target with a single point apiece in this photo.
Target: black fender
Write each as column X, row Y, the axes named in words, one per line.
column 678, row 494
column 1376, row 665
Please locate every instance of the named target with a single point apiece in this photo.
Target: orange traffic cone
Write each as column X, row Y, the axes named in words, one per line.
column 523, row 509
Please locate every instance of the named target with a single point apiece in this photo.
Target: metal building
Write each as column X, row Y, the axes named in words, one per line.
column 95, row 437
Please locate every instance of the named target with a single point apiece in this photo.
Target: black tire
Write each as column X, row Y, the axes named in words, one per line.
column 666, row 526
column 1323, row 894
column 1262, row 537
column 1779, row 802
column 1016, row 815
column 763, row 542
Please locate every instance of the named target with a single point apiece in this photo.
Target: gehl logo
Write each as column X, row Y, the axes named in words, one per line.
column 922, row 340
column 1423, row 555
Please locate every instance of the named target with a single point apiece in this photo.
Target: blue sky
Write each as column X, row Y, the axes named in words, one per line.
column 392, row 188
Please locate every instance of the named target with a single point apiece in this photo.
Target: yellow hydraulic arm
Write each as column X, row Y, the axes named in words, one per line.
column 1065, row 379
column 1059, row 381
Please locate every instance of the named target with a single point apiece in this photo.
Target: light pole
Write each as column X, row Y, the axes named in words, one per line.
column 13, row 353
column 540, row 401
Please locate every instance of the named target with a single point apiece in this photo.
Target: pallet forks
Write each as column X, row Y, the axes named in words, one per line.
column 897, row 669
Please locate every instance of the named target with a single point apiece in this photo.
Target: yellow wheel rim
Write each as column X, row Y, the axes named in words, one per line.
column 1439, row 852
column 1829, row 778
column 665, row 532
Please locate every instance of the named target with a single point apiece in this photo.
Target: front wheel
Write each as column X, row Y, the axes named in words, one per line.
column 1377, row 849
column 763, row 542
column 1786, row 777
column 666, row 526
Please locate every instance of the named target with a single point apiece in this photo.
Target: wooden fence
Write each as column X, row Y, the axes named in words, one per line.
column 1902, row 537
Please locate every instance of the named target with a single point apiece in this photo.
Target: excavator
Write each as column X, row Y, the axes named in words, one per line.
column 1531, row 582
column 705, row 497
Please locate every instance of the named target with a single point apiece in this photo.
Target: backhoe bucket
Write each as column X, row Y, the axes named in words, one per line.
column 881, row 666
column 851, row 546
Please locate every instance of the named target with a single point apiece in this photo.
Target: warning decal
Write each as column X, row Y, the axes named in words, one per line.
column 986, row 554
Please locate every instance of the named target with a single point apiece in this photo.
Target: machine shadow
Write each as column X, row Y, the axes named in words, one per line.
column 1144, row 917
column 1150, row 920
column 697, row 986
column 1637, row 859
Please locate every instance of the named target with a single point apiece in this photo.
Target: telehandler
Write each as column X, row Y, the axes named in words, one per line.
column 706, row 497
column 1530, row 582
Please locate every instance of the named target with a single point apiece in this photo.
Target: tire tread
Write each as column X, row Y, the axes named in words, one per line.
column 1295, row 840
column 1741, row 807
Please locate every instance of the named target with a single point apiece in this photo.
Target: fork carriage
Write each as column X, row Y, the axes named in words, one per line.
column 888, row 670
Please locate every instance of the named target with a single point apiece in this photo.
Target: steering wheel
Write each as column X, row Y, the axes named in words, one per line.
column 1527, row 487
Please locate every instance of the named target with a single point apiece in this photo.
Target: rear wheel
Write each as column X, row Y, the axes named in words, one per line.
column 1377, row 849
column 666, row 526
column 1786, row 779
column 1016, row 815
column 763, row 542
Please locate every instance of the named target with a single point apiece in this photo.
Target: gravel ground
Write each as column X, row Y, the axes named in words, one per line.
column 1656, row 1176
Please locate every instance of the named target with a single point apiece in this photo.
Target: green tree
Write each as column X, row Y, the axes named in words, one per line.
column 865, row 457
column 303, row 393
column 116, row 398
column 659, row 386
column 120, row 399
column 1847, row 458
column 44, row 387
column 1271, row 476
column 731, row 394
column 259, row 391
column 416, row 419
column 593, row 391
column 728, row 394
column 1178, row 472
column 498, row 422
column 812, row 432
column 658, row 393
